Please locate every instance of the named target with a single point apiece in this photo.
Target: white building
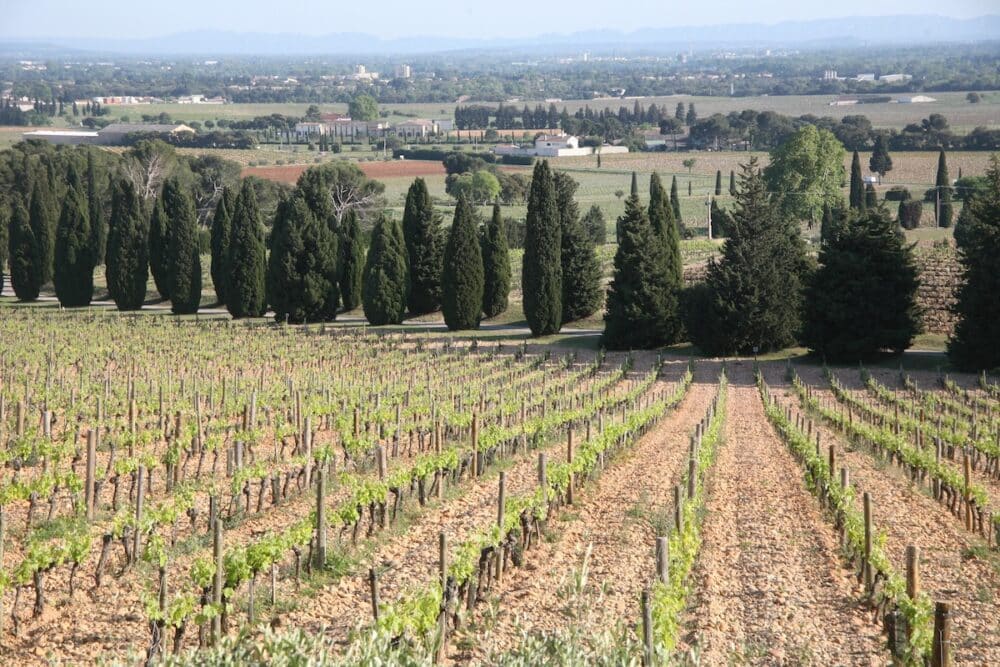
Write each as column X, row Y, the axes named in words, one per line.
column 915, row 99
column 555, row 145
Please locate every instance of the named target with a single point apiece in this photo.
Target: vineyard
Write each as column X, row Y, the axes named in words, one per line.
column 178, row 486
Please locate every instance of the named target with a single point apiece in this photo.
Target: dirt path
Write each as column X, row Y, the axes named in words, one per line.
column 955, row 566
column 770, row 587
column 409, row 559
column 615, row 516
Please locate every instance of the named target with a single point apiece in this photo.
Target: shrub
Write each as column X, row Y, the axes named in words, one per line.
column 897, row 193
column 909, row 213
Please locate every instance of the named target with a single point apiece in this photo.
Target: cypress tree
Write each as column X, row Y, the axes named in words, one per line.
column 159, row 244
column 871, row 197
column 634, row 190
column 974, row 343
column 943, row 185
column 384, row 291
column 857, row 184
column 302, row 267
column 25, row 261
column 862, row 299
column 424, row 243
column 541, row 273
column 462, row 281
column 42, row 228
column 675, row 203
column 732, row 183
column 98, row 223
column 352, row 263
column 127, row 262
column 246, row 263
column 718, row 182
column 496, row 266
column 752, row 298
column 581, row 270
column 641, row 307
column 222, row 229
column 73, row 273
column 183, row 262
column 593, row 222
column 661, row 212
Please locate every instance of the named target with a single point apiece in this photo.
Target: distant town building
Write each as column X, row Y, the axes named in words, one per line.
column 894, row 78
column 830, row 75
column 403, row 72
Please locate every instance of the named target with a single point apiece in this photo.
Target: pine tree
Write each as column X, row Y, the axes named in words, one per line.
column 183, row 262
column 857, row 184
column 974, row 343
column 159, row 244
column 641, row 306
column 42, row 228
column 98, row 223
column 944, row 192
column 222, row 229
column 661, row 217
column 718, row 182
column 73, row 270
column 541, row 273
column 384, row 290
column 246, row 261
column 462, row 281
column 25, row 260
column 880, row 162
column 862, row 299
column 302, row 267
column 424, row 246
column 752, row 298
column 581, row 274
column 126, row 267
column 732, row 183
column 675, row 203
column 352, row 261
column 496, row 266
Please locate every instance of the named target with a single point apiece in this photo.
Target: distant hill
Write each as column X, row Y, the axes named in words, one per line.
column 823, row 33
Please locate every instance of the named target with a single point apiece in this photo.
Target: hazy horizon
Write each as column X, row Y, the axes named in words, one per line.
column 55, row 19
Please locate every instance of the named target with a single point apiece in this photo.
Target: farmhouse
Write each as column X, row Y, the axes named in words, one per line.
column 416, row 128
column 555, row 145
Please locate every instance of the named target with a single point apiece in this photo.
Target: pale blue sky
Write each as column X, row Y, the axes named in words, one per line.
column 396, row 18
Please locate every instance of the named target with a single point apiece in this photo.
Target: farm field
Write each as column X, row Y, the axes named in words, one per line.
column 500, row 500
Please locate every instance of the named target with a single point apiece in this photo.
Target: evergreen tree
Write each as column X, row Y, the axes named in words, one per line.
column 880, row 162
column 384, row 291
column 352, row 261
column 642, row 307
column 222, row 229
column 857, row 184
column 871, row 197
column 302, row 267
column 862, row 299
column 246, row 263
column 944, row 191
column 541, row 276
column 594, row 224
column 496, row 266
column 974, row 343
column 159, row 244
column 424, row 245
column 732, row 183
column 73, row 271
column 98, row 223
column 675, row 203
column 25, row 260
column 692, row 116
column 462, row 281
column 661, row 212
column 634, row 190
column 581, row 274
column 183, row 261
column 126, row 267
column 753, row 297
column 718, row 182
column 42, row 228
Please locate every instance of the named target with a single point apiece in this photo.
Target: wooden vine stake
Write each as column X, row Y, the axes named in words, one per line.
column 912, row 571
column 321, row 518
column 868, row 541
column 569, row 459
column 941, row 644
column 678, row 512
column 91, row 466
column 373, row 586
column 218, row 580
column 662, row 560
column 647, row 629
column 139, row 493
column 475, row 444
column 443, row 614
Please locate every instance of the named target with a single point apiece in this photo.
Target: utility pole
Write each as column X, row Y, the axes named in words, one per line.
column 708, row 205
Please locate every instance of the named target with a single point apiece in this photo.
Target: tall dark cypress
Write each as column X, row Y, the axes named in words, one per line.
column 661, row 213
column 634, row 189
column 871, row 197
column 222, row 230
column 43, row 228
column 126, row 266
column 718, row 182
column 302, row 266
column 246, row 263
column 857, row 198
column 159, row 244
column 732, row 183
column 383, row 293
column 675, row 203
column 73, row 271
column 95, row 209
column 462, row 281
column 581, row 270
column 183, row 259
column 25, row 261
column 541, row 273
column 862, row 299
column 641, row 307
column 496, row 266
column 352, row 261
column 944, row 191
column 424, row 245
